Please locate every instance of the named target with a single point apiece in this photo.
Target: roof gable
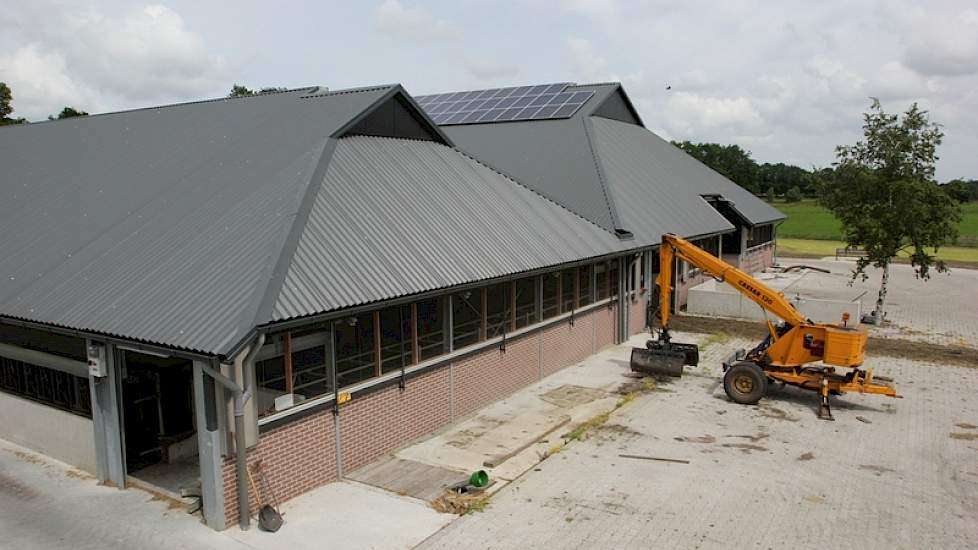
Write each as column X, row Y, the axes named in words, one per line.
column 396, row 116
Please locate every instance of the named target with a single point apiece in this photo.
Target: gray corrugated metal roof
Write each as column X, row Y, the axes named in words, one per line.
column 397, row 217
column 553, row 157
column 632, row 150
column 557, row 159
column 653, row 197
column 160, row 224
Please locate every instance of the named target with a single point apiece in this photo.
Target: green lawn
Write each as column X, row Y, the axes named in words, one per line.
column 954, row 255
column 808, row 220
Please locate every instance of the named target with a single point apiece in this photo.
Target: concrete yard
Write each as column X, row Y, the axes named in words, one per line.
column 886, row 474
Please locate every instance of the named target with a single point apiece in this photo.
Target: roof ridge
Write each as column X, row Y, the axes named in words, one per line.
column 608, row 83
column 165, row 106
column 348, row 90
column 605, row 191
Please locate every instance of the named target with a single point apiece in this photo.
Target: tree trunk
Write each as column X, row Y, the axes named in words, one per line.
column 878, row 314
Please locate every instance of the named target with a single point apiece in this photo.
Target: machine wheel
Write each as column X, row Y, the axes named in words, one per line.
column 745, row 383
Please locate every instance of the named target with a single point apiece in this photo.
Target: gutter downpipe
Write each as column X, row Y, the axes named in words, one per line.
column 242, row 394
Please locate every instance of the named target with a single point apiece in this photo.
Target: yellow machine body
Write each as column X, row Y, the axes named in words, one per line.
column 791, row 352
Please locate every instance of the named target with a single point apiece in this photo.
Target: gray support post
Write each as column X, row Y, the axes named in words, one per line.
column 448, row 324
column 622, row 299
column 209, row 447
column 106, row 394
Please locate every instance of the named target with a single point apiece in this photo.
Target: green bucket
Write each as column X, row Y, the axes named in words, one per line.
column 479, row 478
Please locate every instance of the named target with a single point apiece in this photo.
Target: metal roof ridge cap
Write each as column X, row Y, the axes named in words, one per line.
column 599, row 168
column 274, row 276
column 160, row 107
column 356, row 90
column 528, row 188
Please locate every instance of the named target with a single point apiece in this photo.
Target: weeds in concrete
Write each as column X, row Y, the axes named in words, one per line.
column 720, row 337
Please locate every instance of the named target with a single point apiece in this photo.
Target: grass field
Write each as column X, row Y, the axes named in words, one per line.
column 953, row 255
column 807, row 220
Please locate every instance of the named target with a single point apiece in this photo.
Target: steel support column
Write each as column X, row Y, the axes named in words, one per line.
column 209, row 447
column 106, row 394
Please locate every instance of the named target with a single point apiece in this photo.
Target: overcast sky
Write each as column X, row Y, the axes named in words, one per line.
column 786, row 80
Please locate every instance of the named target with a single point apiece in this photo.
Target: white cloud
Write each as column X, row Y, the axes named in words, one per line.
column 590, row 66
column 413, row 23
column 87, row 59
column 488, row 71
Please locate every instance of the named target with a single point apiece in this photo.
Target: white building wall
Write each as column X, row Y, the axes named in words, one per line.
column 67, row 437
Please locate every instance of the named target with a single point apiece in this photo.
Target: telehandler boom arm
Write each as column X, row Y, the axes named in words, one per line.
column 765, row 296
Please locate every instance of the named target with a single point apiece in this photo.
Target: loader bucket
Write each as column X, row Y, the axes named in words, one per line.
column 653, row 362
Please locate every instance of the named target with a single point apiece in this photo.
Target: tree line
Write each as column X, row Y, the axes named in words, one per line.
column 780, row 180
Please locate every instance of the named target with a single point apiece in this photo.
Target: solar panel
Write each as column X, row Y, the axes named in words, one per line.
column 542, row 102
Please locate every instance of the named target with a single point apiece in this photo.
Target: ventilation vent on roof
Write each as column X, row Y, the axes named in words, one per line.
column 624, row 235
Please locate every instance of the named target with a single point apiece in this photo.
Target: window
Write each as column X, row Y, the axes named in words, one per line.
column 395, row 338
column 551, row 295
column 601, row 280
column 466, row 318
column 568, row 284
column 759, row 235
column 584, row 285
column 498, row 303
column 431, row 328
column 306, row 376
column 526, row 302
column 51, row 387
column 355, row 357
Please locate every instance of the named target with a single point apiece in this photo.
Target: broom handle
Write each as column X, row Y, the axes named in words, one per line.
column 254, row 487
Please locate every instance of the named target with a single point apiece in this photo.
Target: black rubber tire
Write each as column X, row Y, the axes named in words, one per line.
column 745, row 383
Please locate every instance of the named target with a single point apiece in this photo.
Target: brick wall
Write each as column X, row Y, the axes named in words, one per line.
column 637, row 313
column 492, row 374
column 564, row 344
column 757, row 258
column 379, row 422
column 296, row 457
column 301, row 455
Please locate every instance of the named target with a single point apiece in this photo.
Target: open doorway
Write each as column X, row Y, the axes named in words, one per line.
column 158, row 419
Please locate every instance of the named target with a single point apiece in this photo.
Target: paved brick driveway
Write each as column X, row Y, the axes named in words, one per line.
column 900, row 481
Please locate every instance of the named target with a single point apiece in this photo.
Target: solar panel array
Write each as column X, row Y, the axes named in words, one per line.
column 546, row 101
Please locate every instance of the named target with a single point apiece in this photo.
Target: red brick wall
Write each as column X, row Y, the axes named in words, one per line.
column 301, row 455
column 491, row 375
column 605, row 319
column 757, row 258
column 636, row 314
column 296, row 457
column 384, row 420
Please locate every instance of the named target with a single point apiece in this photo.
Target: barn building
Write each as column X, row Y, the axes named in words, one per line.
column 315, row 278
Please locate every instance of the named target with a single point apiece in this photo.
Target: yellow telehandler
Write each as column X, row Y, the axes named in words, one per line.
column 789, row 354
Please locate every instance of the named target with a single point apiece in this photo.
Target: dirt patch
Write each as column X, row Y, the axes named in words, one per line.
column 959, row 356
column 569, row 396
column 75, row 473
column 806, row 456
column 16, row 489
column 963, row 436
column 27, row 457
column 966, row 426
column 698, row 439
column 617, row 429
column 745, row 447
column 752, row 438
column 768, row 411
column 878, row 470
column 454, row 503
